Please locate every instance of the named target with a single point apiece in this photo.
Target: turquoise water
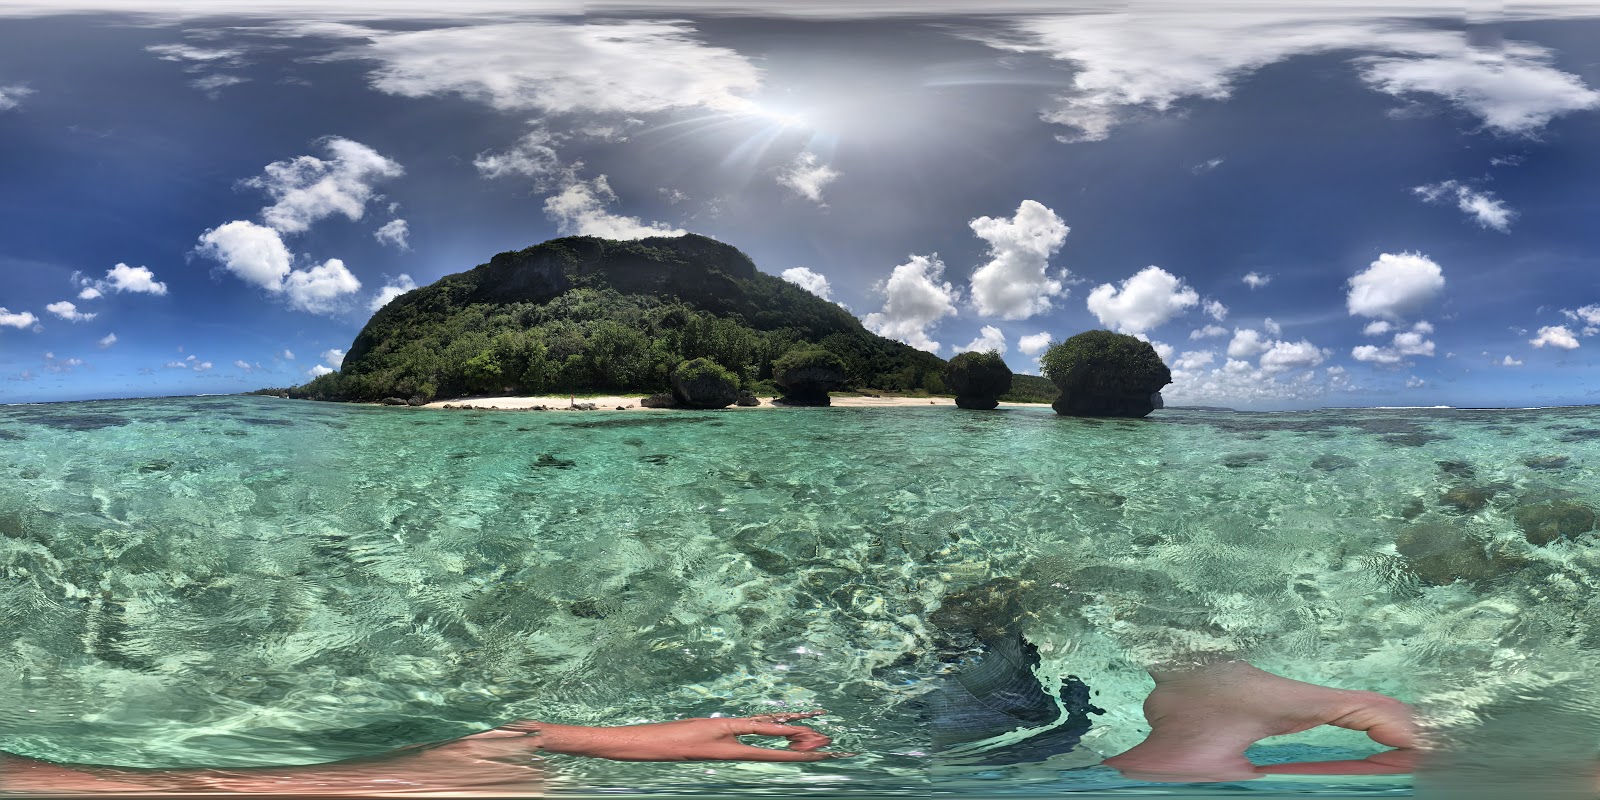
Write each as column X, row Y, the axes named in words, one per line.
column 239, row 581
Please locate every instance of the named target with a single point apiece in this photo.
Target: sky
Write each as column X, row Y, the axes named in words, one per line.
column 1299, row 205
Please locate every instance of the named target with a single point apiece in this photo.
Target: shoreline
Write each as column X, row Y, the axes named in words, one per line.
column 632, row 403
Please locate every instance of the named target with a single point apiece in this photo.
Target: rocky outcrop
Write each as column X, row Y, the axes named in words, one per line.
column 661, row 400
column 1105, row 374
column 806, row 375
column 977, row 379
column 747, row 400
column 702, row 383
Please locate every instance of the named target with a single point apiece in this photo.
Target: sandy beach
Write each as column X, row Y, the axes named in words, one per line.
column 632, row 403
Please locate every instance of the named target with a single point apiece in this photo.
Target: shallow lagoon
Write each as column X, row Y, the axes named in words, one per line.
column 239, row 580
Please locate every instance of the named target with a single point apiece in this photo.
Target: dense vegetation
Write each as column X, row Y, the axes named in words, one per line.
column 587, row 314
column 703, row 383
column 978, row 379
column 1105, row 374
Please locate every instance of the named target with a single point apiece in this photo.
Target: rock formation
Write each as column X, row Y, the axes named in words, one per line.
column 1105, row 374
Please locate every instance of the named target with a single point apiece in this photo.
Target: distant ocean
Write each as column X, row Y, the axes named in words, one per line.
column 242, row 580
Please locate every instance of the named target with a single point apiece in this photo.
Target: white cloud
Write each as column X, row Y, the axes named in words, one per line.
column 1247, row 343
column 1033, row 344
column 1508, row 361
column 1555, row 336
column 1152, row 59
column 1206, row 166
column 399, row 286
column 534, row 156
column 807, row 175
column 212, row 84
column 306, row 188
column 989, row 338
column 202, row 366
column 242, row 364
column 288, row 355
column 1512, row 88
column 1413, row 342
column 11, row 96
column 185, row 52
column 68, row 311
column 913, row 299
column 90, row 293
column 1208, row 332
column 1394, row 285
column 1415, row 382
column 123, row 278
column 1163, row 350
column 1215, row 309
column 253, row 253
column 1378, row 327
column 1147, row 300
column 813, row 282
column 1284, row 356
column 1484, row 207
column 1589, row 315
column 17, row 319
column 107, row 340
column 318, row 371
column 256, row 254
column 580, row 209
column 176, row 365
column 319, row 289
column 61, row 364
column 1375, row 355
column 394, row 232
column 1256, row 280
column 335, row 357
column 624, row 67
column 1271, row 326
column 1194, row 359
column 673, row 196
column 1015, row 283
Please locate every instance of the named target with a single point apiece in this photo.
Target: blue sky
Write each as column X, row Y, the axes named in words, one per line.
column 1300, row 208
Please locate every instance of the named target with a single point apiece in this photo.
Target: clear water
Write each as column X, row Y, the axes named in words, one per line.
column 242, row 581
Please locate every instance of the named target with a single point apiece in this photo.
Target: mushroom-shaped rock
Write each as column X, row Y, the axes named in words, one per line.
column 1105, row 374
column 703, row 383
column 978, row 379
column 806, row 375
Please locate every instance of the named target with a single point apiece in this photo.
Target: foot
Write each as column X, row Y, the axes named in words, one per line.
column 1202, row 721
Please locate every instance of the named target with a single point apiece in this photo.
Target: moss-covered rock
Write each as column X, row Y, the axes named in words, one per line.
column 1105, row 374
column 978, row 379
column 703, row 383
column 660, row 400
column 806, row 374
column 1544, row 523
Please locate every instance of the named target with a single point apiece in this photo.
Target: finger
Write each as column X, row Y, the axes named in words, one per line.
column 774, row 729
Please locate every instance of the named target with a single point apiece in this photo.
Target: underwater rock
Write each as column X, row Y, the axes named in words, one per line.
column 661, row 400
column 1466, row 499
column 1412, row 509
column 547, row 460
column 1105, row 374
column 1545, row 462
column 1460, row 469
column 1413, row 439
column 1237, row 460
column 1330, row 462
column 1439, row 555
column 1544, row 523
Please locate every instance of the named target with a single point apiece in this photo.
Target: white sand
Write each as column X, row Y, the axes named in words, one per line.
column 631, row 402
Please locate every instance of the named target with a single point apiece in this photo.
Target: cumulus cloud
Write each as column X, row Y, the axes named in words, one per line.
column 17, row 319
column 989, row 338
column 11, row 96
column 580, row 209
column 1147, row 300
column 242, row 364
column 1134, row 63
column 90, row 293
column 623, row 67
column 1208, row 332
column 107, row 340
column 306, row 188
column 1378, row 327
column 1194, row 359
column 288, row 355
column 1215, row 309
column 192, row 53
column 1015, row 283
column 68, row 311
column 1406, row 343
column 318, row 371
column 1375, row 355
column 1247, row 343
column 1508, row 361
column 914, row 297
column 534, row 156
column 335, row 357
column 399, row 286
column 61, row 364
column 813, row 282
column 1589, row 315
column 807, row 175
column 1555, row 336
column 394, row 232
column 1415, row 382
column 1394, row 285
column 1034, row 343
column 1256, row 280
column 1484, row 207
column 1271, row 326
column 256, row 254
column 120, row 278
column 1284, row 356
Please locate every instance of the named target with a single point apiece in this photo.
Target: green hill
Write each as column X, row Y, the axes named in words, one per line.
column 582, row 314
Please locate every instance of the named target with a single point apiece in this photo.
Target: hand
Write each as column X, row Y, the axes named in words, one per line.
column 703, row 739
column 1202, row 721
